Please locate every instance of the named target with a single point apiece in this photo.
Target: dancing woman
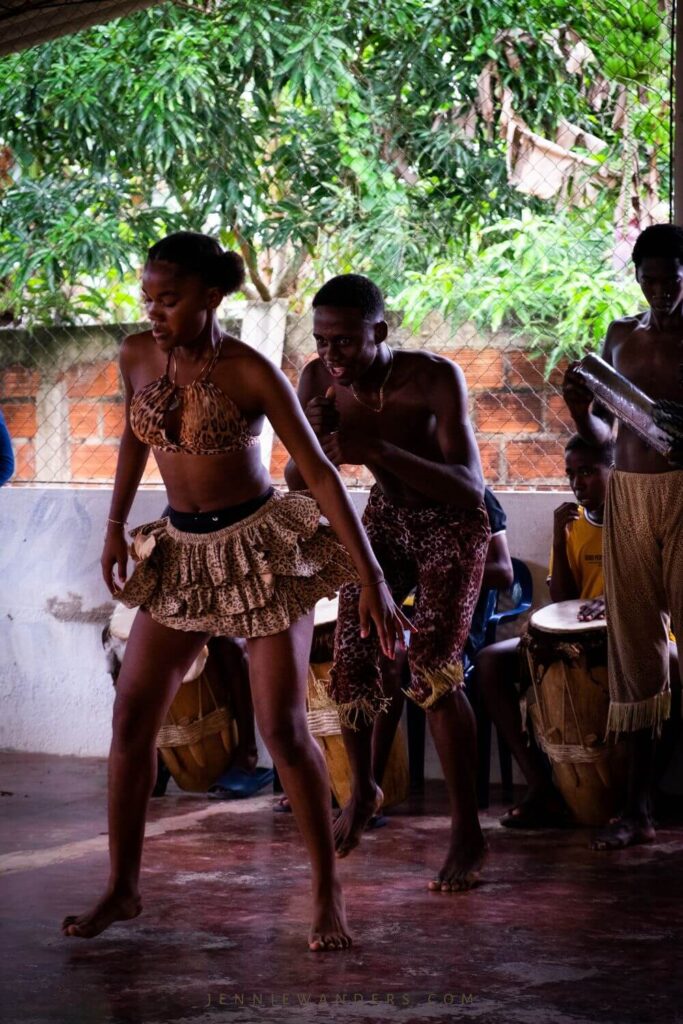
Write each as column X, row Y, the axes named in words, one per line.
column 232, row 557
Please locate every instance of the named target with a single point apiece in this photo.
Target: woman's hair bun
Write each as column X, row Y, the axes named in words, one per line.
column 230, row 276
column 195, row 253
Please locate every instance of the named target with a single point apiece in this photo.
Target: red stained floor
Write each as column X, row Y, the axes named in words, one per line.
column 556, row 934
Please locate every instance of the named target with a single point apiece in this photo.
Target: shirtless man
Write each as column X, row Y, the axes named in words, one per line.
column 643, row 535
column 403, row 414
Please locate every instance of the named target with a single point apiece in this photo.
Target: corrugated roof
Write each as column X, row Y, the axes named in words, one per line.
column 25, row 23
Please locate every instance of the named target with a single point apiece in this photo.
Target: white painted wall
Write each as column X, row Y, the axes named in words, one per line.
column 55, row 693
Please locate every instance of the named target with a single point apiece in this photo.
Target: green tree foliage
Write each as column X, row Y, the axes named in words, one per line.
column 317, row 136
column 548, row 286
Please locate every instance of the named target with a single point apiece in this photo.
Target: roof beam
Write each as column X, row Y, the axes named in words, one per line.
column 26, row 23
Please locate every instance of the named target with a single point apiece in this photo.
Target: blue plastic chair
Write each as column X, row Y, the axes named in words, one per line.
column 521, row 592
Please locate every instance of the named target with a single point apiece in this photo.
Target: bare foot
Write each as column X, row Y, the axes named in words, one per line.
column 461, row 869
column 353, row 819
column 111, row 908
column 329, row 930
column 541, row 808
column 623, row 832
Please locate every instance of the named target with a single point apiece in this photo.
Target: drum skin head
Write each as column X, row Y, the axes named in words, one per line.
column 120, row 625
column 562, row 617
column 121, row 621
column 326, row 610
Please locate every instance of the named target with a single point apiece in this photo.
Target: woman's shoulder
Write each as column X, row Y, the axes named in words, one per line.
column 233, row 348
column 244, row 373
column 141, row 361
column 139, row 344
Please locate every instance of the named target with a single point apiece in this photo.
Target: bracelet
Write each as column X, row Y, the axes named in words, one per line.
column 375, row 583
column 119, row 522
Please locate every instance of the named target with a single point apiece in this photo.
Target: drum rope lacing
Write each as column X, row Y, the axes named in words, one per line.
column 562, row 753
column 174, row 734
column 322, row 714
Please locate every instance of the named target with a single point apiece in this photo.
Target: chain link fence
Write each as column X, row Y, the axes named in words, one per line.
column 489, row 166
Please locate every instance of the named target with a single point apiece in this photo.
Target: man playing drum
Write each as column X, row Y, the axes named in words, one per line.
column 575, row 571
column 643, row 543
column 403, row 414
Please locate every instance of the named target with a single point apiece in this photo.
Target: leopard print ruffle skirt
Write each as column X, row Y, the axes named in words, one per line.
column 253, row 578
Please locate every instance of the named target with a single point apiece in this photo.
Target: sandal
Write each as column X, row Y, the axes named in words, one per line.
column 239, row 784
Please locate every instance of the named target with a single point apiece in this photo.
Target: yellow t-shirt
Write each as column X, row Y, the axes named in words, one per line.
column 584, row 552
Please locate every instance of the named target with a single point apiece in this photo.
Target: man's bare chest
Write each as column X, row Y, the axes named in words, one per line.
column 404, row 420
column 655, row 365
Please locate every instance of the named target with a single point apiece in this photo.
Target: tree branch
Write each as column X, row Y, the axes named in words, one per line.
column 249, row 257
column 284, row 281
column 397, row 160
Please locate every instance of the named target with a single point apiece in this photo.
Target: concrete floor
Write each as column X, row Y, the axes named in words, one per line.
column 556, row 935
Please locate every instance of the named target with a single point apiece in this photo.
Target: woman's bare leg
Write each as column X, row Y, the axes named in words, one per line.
column 154, row 664
column 278, row 667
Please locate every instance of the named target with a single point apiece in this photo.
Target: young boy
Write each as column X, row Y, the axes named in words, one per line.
column 403, row 414
column 575, row 571
column 643, row 543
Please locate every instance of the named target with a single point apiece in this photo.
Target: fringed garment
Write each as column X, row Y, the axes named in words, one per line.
column 643, row 564
column 440, row 550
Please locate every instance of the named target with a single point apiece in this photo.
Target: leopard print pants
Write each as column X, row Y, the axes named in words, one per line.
column 440, row 550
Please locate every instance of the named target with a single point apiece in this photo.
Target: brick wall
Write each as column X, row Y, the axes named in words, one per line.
column 519, row 417
column 18, row 390
column 95, row 410
column 521, row 421
column 91, row 404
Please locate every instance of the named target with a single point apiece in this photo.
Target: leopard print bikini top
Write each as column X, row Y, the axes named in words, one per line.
column 210, row 422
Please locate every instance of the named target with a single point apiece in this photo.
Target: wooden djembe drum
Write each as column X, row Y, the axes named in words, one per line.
column 323, row 719
column 199, row 735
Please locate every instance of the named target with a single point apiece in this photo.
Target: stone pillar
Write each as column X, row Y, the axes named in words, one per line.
column 52, row 433
column 264, row 328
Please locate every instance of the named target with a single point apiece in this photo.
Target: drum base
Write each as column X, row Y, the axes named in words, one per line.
column 594, row 792
column 199, row 735
column 569, row 719
column 323, row 722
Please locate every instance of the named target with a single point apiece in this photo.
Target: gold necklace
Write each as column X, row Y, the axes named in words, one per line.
column 178, row 388
column 367, row 405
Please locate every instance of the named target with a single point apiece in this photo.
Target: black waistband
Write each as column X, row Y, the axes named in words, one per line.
column 216, row 519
